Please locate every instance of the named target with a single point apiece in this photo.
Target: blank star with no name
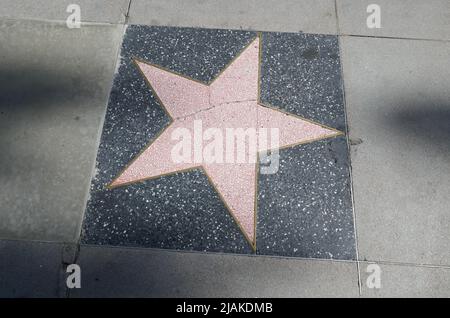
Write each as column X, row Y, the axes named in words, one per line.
column 231, row 100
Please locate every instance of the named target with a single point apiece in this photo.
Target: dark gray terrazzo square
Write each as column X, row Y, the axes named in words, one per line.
column 183, row 211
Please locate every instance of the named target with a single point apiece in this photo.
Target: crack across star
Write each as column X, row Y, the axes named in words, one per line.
column 230, row 100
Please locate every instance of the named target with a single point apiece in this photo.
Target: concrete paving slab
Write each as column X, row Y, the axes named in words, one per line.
column 30, row 269
column 398, row 110
column 91, row 10
column 121, row 272
column 54, row 85
column 261, row 15
column 407, row 281
column 407, row 18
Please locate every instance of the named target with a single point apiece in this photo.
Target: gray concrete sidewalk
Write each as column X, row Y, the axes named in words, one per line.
column 33, row 269
column 406, row 19
column 55, row 84
column 54, row 87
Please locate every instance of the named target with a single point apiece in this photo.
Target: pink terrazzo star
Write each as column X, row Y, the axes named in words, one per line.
column 229, row 101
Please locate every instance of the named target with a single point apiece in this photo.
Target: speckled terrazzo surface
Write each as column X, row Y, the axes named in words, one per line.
column 303, row 210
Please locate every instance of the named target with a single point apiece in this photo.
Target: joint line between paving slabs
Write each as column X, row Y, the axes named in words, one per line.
column 127, row 14
column 394, row 263
column 348, row 147
column 94, row 165
column 350, row 164
column 394, row 38
column 338, row 31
